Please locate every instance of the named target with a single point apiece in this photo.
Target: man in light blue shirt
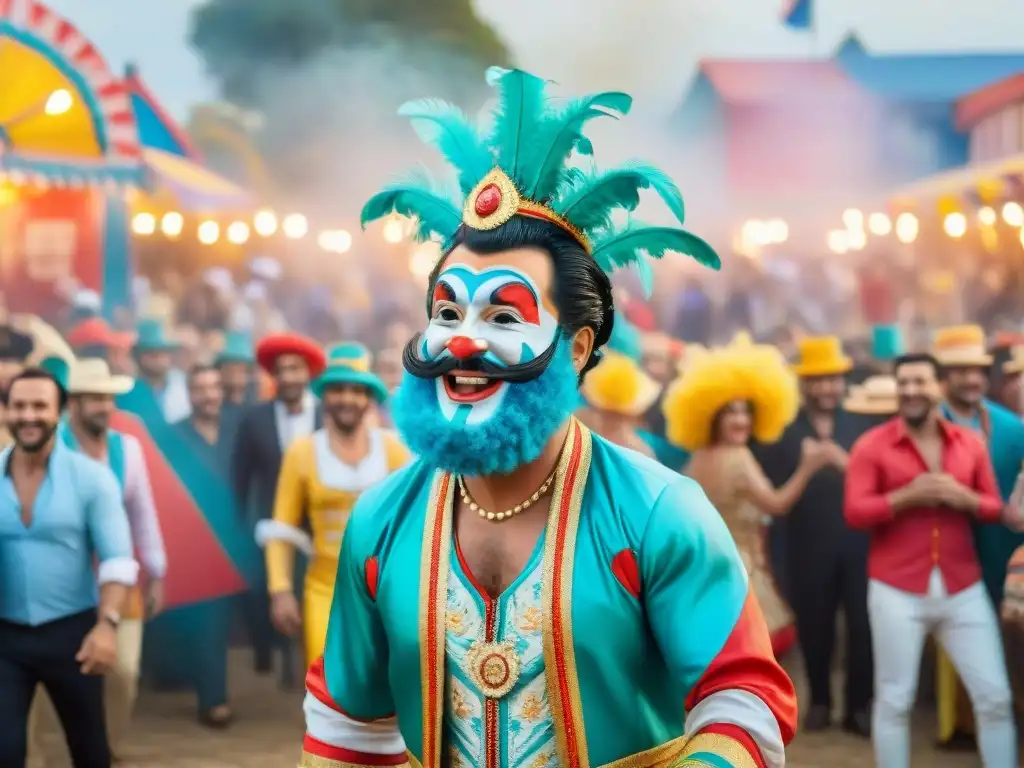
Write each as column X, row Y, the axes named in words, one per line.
column 60, row 511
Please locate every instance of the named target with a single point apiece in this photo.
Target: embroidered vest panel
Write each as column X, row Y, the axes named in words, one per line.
column 517, row 730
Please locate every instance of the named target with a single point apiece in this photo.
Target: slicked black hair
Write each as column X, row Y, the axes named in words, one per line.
column 32, row 373
column 582, row 290
column 919, row 357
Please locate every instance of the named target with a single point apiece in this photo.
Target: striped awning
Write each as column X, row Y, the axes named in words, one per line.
column 46, row 170
column 984, row 183
column 194, row 188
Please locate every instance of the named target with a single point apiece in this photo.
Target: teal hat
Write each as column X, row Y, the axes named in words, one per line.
column 886, row 342
column 349, row 363
column 237, row 349
column 150, row 337
column 58, row 368
column 625, row 339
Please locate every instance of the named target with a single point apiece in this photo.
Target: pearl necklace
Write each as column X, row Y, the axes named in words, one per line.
column 499, row 516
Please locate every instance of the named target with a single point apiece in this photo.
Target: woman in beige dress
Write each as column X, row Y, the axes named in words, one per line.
column 723, row 398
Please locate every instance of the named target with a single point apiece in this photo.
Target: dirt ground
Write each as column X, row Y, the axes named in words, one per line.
column 268, row 733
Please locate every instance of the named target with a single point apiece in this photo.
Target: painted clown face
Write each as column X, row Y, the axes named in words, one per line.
column 491, row 324
column 493, row 376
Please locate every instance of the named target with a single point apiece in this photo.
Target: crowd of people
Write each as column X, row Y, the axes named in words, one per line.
column 439, row 554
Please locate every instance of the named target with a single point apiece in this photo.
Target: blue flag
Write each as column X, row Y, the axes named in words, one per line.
column 798, row 14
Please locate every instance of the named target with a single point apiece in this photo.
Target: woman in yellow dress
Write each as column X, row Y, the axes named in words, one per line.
column 723, row 398
column 321, row 478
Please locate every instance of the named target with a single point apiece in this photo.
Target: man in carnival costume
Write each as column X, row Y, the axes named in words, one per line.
column 526, row 592
column 965, row 361
column 321, row 477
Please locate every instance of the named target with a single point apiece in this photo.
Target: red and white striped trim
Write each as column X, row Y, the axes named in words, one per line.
column 109, row 91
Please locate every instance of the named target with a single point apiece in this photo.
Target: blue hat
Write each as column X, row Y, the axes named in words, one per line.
column 349, row 363
column 886, row 342
column 150, row 337
column 237, row 349
column 626, row 339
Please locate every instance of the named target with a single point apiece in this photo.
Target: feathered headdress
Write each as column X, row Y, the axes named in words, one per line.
column 520, row 166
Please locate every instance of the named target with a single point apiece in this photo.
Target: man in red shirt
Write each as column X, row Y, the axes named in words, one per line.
column 917, row 482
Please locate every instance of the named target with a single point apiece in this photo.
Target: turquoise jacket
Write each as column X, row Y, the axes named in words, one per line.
column 634, row 606
column 995, row 542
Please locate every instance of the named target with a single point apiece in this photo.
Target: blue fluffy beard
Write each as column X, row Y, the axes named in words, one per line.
column 529, row 415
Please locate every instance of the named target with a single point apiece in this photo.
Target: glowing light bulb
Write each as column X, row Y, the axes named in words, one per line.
column 907, row 228
column 879, row 224
column 394, row 232
column 144, row 224
column 838, row 241
column 172, row 223
column 265, row 223
column 343, row 241
column 422, row 261
column 955, row 224
column 853, row 219
column 59, row 102
column 987, row 216
column 1013, row 214
column 326, row 240
column 208, row 232
column 856, row 239
column 776, row 231
column 295, row 226
column 238, row 232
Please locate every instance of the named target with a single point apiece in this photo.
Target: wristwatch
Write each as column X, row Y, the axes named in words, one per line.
column 113, row 618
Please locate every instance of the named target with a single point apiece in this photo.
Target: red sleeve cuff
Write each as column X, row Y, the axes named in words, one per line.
column 726, row 741
column 316, row 684
column 316, row 754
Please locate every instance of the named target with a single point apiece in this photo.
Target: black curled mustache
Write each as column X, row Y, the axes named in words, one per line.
column 432, row 369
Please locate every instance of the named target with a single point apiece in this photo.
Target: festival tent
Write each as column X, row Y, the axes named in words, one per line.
column 69, row 154
column 853, row 123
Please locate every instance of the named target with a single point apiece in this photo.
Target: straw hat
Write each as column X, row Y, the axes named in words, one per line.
column 821, row 356
column 875, row 397
column 1016, row 362
column 619, row 385
column 961, row 346
column 91, row 376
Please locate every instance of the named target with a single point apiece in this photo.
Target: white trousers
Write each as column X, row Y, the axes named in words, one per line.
column 965, row 625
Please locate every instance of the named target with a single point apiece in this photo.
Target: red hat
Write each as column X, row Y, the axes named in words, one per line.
column 272, row 347
column 95, row 332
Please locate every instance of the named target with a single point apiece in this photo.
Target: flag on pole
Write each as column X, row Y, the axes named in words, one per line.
column 798, row 14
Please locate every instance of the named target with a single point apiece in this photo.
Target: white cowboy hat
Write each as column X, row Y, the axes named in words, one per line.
column 91, row 376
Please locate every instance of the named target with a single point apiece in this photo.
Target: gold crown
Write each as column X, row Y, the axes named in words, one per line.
column 495, row 200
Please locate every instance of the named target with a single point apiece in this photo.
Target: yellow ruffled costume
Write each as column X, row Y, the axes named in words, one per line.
column 711, row 379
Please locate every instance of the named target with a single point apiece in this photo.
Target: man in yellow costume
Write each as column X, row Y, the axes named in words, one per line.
column 321, row 477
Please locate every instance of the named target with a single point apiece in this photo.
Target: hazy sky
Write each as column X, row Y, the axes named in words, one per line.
column 646, row 47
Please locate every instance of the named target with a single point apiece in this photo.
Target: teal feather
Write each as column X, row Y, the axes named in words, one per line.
column 522, row 100
column 416, row 196
column 589, row 204
column 447, row 128
column 617, row 248
column 561, row 132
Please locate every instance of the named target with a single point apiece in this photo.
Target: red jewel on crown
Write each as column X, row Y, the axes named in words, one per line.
column 488, row 200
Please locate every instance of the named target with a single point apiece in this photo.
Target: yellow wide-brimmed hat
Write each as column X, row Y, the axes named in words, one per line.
column 875, row 397
column 961, row 346
column 821, row 356
column 1016, row 362
column 711, row 379
column 619, row 385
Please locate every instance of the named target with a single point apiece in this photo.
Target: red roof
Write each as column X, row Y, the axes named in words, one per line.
column 975, row 107
column 762, row 82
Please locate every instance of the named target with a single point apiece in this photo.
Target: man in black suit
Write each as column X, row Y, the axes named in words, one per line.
column 263, row 432
column 824, row 563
